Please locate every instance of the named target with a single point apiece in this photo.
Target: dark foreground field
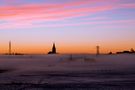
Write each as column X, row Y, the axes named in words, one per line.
column 72, row 86
column 61, row 72
column 96, row 80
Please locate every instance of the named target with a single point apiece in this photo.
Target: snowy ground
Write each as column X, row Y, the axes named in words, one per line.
column 39, row 72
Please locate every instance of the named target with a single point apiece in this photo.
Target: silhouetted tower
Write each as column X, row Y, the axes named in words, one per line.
column 54, row 48
column 10, row 47
column 53, row 51
column 97, row 47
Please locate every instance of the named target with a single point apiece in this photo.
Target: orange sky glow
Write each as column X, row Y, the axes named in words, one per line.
column 76, row 26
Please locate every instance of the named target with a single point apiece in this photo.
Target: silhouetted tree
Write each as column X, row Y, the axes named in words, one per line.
column 110, row 53
column 132, row 50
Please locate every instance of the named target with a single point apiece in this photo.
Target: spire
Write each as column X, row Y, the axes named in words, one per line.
column 53, row 51
column 54, row 48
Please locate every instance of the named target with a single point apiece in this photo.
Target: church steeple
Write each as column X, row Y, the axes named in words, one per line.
column 54, row 48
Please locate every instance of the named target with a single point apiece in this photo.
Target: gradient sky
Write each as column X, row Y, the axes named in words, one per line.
column 76, row 26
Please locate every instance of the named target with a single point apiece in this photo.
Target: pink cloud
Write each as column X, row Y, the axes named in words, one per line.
column 27, row 14
column 9, row 11
column 109, row 23
column 128, row 5
column 55, row 14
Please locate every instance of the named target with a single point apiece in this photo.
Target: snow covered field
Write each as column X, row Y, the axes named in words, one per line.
column 30, row 72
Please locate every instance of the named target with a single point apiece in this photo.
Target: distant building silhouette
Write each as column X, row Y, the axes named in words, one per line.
column 53, row 50
column 127, row 52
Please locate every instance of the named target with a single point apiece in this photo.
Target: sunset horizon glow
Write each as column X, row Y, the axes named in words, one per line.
column 76, row 26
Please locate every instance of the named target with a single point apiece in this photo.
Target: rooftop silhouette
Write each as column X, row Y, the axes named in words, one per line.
column 128, row 52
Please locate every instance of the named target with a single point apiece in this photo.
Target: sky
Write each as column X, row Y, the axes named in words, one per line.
column 76, row 26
